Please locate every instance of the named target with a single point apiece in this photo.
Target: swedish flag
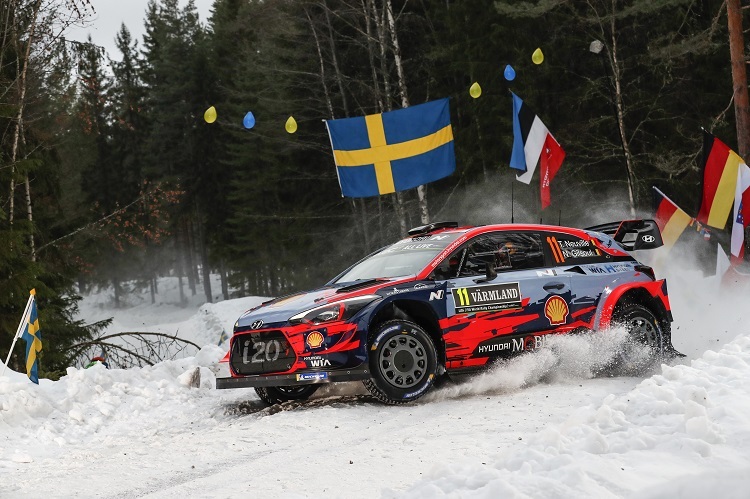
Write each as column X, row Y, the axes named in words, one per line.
column 394, row 151
column 33, row 338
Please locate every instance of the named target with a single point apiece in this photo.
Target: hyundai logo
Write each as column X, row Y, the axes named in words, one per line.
column 648, row 238
column 256, row 325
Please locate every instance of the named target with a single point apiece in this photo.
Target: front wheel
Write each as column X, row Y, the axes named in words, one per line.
column 403, row 362
column 279, row 394
column 644, row 343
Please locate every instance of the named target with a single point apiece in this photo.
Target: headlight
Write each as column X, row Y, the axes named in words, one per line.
column 338, row 311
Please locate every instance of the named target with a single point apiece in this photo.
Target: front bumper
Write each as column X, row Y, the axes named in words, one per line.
column 300, row 378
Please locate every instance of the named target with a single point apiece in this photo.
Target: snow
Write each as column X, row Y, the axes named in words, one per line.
column 539, row 426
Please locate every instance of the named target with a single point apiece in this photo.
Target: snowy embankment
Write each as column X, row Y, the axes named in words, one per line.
column 537, row 427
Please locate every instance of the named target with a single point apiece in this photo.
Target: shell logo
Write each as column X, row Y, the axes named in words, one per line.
column 556, row 310
column 314, row 339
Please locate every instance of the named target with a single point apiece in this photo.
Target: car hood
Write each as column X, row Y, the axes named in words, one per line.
column 281, row 309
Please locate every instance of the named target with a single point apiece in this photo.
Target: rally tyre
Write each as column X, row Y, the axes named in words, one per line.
column 644, row 344
column 279, row 394
column 403, row 362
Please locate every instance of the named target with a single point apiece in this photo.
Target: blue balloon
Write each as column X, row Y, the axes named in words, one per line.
column 249, row 120
column 509, row 73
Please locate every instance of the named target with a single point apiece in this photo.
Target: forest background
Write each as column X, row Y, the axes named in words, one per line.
column 113, row 178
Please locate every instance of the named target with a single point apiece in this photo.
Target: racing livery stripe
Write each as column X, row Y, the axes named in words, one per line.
column 556, row 251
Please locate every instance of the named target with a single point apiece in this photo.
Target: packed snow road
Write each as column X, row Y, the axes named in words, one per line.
column 539, row 426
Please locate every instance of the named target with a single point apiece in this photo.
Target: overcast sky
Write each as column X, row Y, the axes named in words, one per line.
column 110, row 14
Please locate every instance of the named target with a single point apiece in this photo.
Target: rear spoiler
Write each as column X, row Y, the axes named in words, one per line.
column 632, row 234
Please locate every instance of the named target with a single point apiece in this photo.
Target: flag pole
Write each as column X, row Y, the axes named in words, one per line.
column 18, row 331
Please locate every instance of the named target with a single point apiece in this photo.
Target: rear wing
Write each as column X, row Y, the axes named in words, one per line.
column 632, row 234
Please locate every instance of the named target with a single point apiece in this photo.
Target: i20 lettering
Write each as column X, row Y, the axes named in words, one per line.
column 264, row 352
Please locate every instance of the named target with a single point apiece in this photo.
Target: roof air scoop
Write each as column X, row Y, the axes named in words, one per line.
column 426, row 229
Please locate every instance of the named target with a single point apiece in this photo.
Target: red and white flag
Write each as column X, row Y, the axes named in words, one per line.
column 741, row 213
column 532, row 144
column 550, row 161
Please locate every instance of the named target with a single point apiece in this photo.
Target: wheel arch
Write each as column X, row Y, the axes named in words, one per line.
column 652, row 295
column 417, row 312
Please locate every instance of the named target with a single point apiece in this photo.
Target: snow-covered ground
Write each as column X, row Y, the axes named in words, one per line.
column 538, row 427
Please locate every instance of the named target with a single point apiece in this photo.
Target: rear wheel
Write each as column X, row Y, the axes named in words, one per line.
column 644, row 344
column 278, row 394
column 403, row 362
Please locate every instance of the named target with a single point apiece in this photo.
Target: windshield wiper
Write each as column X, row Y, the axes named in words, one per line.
column 360, row 284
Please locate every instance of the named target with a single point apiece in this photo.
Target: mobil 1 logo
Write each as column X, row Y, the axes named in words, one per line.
column 487, row 298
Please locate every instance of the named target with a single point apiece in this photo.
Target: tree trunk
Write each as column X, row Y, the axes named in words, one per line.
column 188, row 253
column 620, row 109
column 329, row 103
column 224, row 283
column 205, row 266
column 21, row 103
column 367, row 8
column 739, row 76
column 424, row 212
column 179, row 257
column 335, row 61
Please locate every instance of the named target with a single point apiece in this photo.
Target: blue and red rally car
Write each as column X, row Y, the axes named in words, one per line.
column 451, row 300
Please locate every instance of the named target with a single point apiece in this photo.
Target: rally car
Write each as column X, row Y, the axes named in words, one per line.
column 452, row 300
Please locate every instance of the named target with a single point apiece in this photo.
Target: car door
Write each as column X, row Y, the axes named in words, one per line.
column 590, row 268
column 497, row 313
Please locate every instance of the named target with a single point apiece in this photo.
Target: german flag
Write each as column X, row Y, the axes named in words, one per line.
column 720, row 165
column 672, row 221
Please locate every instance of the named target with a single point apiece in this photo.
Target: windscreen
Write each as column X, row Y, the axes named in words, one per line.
column 404, row 258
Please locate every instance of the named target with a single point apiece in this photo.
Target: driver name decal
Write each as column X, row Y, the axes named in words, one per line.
column 487, row 298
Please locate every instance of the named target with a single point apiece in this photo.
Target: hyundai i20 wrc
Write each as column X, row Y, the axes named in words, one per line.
column 452, row 300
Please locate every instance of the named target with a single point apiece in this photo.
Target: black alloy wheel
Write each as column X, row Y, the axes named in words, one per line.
column 403, row 362
column 644, row 344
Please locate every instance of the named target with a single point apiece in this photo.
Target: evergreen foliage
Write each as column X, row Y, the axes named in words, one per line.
column 128, row 182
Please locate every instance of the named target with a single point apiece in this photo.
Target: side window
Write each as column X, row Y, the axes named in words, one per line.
column 517, row 250
column 565, row 249
column 509, row 251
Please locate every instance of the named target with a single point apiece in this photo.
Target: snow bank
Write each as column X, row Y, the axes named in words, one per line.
column 133, row 403
column 688, row 426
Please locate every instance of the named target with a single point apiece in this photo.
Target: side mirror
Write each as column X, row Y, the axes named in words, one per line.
column 489, row 265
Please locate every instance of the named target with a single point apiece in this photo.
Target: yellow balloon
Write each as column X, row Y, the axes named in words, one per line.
column 291, row 125
column 537, row 56
column 475, row 90
column 210, row 115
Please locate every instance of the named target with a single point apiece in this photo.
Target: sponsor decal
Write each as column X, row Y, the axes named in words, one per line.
column 411, row 247
column 513, row 345
column 437, row 295
column 421, row 390
column 609, row 268
column 311, row 376
column 447, row 251
column 257, row 324
column 317, row 361
column 428, row 238
column 420, row 285
column 314, row 339
column 383, row 333
column 487, row 298
column 546, row 273
column 556, row 310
